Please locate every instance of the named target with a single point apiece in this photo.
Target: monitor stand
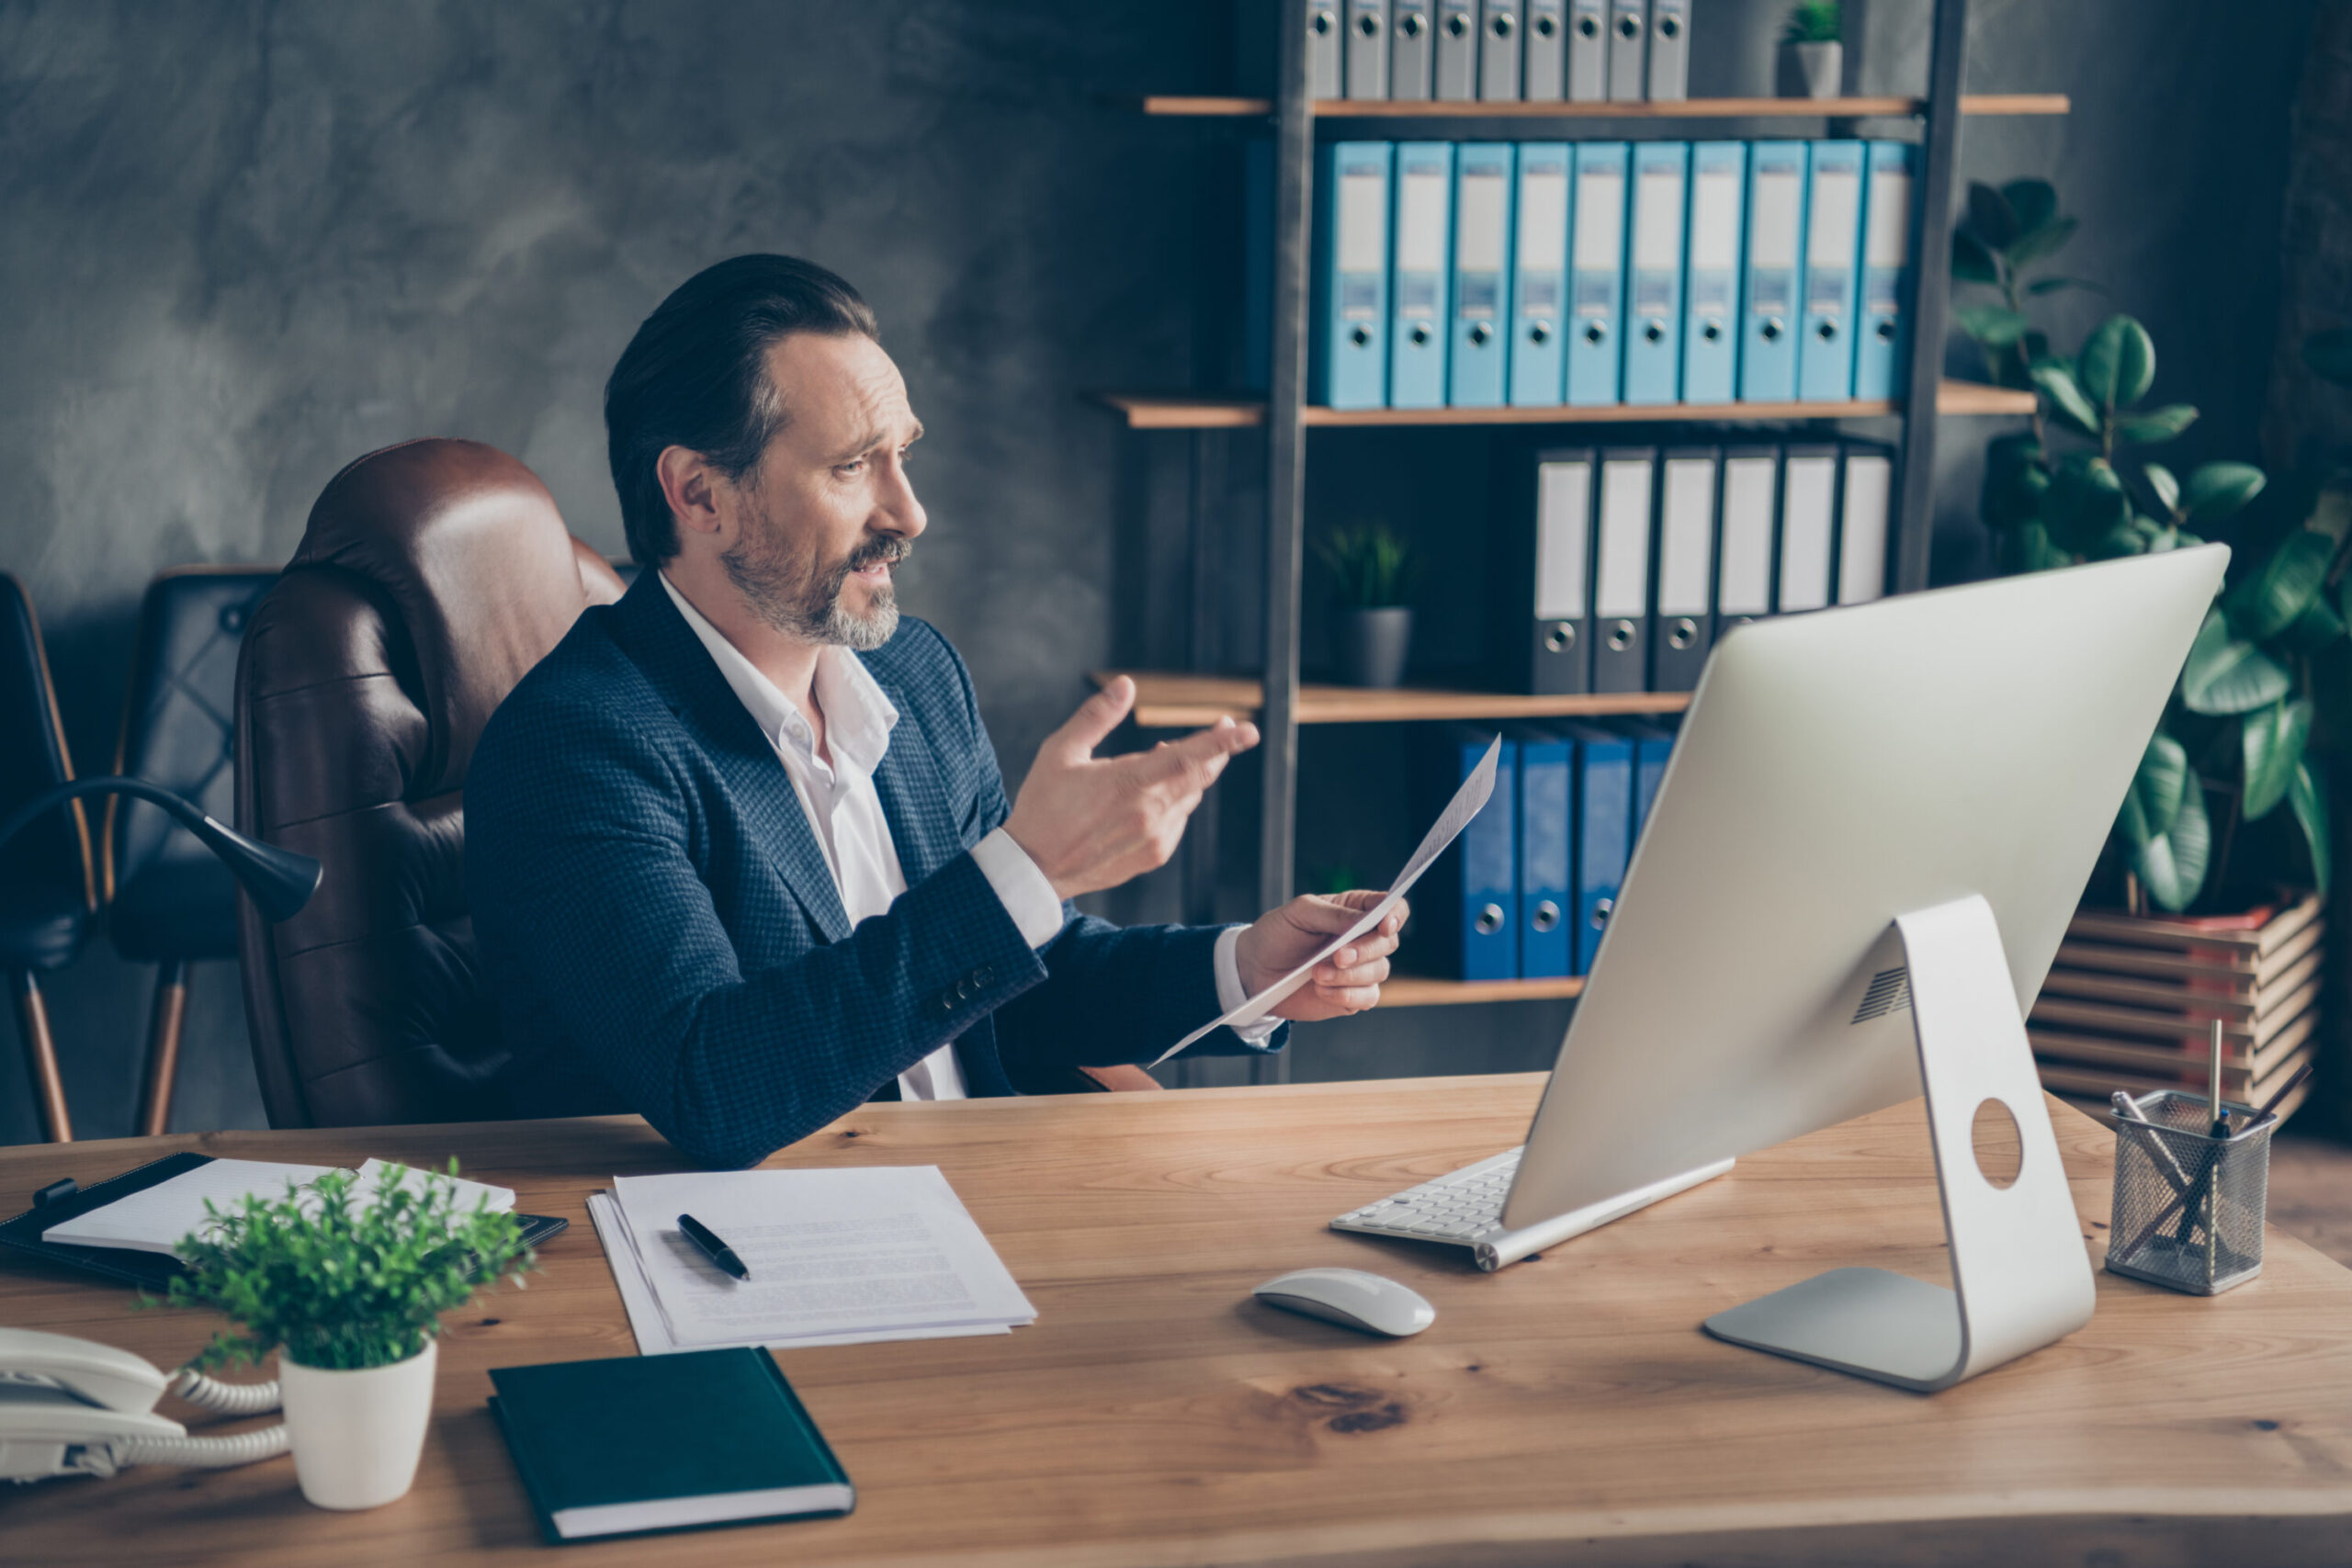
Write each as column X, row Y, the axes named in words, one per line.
column 2020, row 1275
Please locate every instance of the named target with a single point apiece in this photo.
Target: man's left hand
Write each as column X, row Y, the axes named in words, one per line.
column 1348, row 981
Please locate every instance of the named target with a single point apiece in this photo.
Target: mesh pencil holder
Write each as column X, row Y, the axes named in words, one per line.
column 2189, row 1206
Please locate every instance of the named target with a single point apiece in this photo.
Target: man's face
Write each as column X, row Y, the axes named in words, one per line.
column 827, row 512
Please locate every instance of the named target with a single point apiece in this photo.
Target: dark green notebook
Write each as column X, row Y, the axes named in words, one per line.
column 642, row 1443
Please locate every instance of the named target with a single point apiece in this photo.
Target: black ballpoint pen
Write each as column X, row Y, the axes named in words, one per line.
column 717, row 1251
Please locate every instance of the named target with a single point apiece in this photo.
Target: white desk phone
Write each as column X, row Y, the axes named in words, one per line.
column 71, row 1407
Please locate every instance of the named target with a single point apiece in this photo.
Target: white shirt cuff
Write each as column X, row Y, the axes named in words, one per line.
column 1028, row 897
column 1229, row 994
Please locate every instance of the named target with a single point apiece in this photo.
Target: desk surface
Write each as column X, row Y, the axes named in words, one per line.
column 1567, row 1409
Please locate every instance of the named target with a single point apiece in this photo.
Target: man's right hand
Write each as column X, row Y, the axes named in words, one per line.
column 1091, row 823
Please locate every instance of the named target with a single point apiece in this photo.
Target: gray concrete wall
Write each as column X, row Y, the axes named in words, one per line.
column 243, row 243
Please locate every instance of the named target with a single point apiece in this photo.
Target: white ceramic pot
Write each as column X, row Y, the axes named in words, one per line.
column 356, row 1435
column 1820, row 68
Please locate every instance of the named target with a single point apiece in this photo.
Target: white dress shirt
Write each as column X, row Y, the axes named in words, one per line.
column 837, row 793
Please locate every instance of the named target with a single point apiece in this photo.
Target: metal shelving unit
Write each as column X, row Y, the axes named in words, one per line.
column 1280, row 703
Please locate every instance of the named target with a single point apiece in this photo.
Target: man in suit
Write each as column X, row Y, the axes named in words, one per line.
column 738, row 853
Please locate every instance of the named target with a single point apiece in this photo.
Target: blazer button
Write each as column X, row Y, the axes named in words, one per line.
column 983, row 976
column 963, row 990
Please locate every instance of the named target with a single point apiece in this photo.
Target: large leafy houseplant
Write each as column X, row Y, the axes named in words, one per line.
column 2081, row 485
column 343, row 1279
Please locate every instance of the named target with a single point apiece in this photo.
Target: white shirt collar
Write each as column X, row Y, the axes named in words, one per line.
column 858, row 716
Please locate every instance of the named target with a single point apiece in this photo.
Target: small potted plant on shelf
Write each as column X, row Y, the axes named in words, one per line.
column 1372, row 574
column 1812, row 51
column 348, row 1286
column 2225, row 834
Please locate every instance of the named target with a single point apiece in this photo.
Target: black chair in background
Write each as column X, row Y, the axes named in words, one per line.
column 170, row 901
column 48, row 897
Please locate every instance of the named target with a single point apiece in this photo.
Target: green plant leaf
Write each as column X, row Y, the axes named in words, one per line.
column 1991, row 216
column 2272, row 740
column 2329, row 355
column 2052, row 285
column 2317, row 628
column 2171, row 863
column 2086, row 504
column 2307, row 800
column 1971, row 262
column 2261, row 606
column 2015, row 481
column 2216, row 490
column 1813, row 22
column 2118, row 362
column 1996, row 326
column 2145, row 429
column 2166, row 488
column 2035, row 245
column 2227, row 675
column 2028, row 549
column 2034, row 201
column 2154, row 800
column 2056, row 379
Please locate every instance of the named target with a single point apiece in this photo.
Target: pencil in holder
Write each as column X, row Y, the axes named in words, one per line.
column 2189, row 1206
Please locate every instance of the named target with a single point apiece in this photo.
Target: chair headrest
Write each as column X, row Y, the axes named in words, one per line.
column 469, row 548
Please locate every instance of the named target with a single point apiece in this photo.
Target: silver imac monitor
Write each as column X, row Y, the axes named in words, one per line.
column 1870, row 811
column 1838, row 769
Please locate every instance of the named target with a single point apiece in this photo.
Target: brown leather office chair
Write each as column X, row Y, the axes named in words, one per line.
column 431, row 577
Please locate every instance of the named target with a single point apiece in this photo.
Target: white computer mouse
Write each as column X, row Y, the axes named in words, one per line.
column 1352, row 1297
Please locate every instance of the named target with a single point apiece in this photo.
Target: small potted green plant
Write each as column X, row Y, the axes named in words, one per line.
column 348, row 1287
column 2080, row 484
column 1813, row 50
column 1372, row 574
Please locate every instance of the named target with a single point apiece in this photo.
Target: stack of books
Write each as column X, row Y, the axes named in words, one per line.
column 2131, row 1003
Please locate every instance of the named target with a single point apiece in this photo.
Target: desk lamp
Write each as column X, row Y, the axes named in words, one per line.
column 280, row 882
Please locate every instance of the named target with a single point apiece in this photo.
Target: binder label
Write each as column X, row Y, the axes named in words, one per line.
column 1600, row 241
column 1479, row 260
column 1747, row 588
column 1714, row 239
column 1544, row 220
column 1363, row 199
column 1772, row 249
column 1888, row 241
column 1686, row 532
column 1563, row 504
column 1657, row 239
column 1420, row 242
column 1621, row 585
column 1830, row 243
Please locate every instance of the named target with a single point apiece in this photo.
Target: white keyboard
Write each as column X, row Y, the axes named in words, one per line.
column 1464, row 1207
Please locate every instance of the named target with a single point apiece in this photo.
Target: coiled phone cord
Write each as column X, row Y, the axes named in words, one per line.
column 204, row 1454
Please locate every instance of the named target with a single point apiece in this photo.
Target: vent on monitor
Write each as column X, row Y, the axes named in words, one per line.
column 1890, row 990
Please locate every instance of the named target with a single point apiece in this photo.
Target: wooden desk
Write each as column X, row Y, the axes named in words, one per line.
column 1565, row 1410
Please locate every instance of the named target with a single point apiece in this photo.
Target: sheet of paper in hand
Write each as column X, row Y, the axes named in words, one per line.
column 1468, row 802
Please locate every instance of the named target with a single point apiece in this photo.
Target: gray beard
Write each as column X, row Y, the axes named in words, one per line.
column 802, row 600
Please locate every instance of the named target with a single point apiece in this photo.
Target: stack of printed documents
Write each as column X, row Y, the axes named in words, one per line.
column 835, row 1258
column 157, row 1219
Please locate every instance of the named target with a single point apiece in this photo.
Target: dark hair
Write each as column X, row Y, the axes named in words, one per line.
column 695, row 376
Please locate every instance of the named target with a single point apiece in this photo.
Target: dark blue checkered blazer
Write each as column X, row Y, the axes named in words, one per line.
column 656, row 917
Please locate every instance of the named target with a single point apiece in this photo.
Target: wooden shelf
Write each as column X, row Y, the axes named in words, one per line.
column 1978, row 397
column 1163, row 411
column 1689, row 108
column 1413, row 991
column 1165, row 700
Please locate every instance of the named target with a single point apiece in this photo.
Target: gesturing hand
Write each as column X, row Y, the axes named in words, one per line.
column 1348, row 981
column 1092, row 822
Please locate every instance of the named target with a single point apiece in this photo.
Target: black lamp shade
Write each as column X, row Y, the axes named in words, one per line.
column 280, row 882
